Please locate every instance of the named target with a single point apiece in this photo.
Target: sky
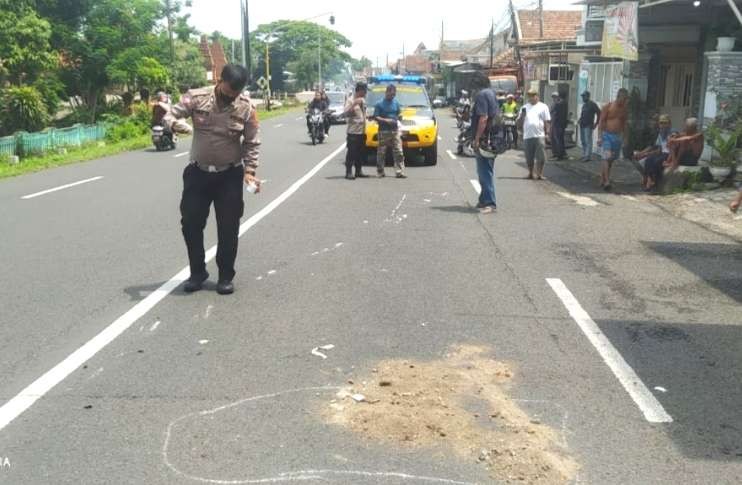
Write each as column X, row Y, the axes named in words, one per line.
column 376, row 28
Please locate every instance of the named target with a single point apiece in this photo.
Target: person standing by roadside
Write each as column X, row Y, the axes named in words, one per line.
column 483, row 116
column 355, row 113
column 558, row 126
column 611, row 130
column 510, row 109
column 387, row 113
column 224, row 153
column 536, row 119
column 589, row 118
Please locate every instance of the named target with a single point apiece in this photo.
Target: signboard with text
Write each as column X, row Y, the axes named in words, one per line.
column 621, row 31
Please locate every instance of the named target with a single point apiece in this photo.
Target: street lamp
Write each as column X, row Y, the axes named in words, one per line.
column 319, row 43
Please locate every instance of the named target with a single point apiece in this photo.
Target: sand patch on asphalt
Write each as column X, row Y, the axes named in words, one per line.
column 457, row 404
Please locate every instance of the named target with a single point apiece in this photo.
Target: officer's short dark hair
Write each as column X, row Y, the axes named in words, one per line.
column 361, row 86
column 479, row 80
column 235, row 75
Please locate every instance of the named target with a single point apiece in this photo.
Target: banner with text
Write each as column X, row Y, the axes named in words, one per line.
column 621, row 31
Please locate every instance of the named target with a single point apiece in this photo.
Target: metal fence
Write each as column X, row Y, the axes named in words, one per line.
column 25, row 144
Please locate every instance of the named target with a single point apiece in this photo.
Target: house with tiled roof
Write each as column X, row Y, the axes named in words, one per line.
column 668, row 57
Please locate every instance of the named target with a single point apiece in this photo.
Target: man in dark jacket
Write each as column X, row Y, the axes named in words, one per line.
column 558, row 127
column 317, row 103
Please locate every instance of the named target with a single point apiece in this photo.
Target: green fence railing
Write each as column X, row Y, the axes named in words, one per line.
column 25, row 144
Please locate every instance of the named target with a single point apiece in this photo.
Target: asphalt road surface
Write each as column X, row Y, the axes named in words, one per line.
column 622, row 324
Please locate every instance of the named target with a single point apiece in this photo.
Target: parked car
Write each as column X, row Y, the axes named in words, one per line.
column 419, row 127
column 337, row 106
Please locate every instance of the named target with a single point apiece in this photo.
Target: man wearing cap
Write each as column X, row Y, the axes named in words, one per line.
column 224, row 153
column 387, row 113
column 559, row 126
column 484, row 116
column 589, row 117
column 536, row 119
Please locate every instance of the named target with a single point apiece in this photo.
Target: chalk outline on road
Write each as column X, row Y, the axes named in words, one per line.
column 61, row 187
column 642, row 396
column 18, row 404
column 293, row 476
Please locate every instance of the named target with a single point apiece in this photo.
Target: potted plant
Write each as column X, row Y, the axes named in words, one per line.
column 727, row 34
column 725, row 145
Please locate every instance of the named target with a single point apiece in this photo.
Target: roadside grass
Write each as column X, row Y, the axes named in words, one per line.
column 74, row 155
column 93, row 151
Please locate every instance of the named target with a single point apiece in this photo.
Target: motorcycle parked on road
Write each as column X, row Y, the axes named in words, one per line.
column 316, row 126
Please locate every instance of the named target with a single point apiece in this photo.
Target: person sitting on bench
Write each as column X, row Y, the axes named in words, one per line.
column 655, row 155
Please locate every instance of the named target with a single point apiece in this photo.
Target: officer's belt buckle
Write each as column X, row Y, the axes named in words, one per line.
column 212, row 168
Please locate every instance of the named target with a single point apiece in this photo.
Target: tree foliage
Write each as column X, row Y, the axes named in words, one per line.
column 294, row 46
column 22, row 109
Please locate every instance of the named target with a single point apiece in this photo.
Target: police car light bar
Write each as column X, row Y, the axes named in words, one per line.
column 390, row 78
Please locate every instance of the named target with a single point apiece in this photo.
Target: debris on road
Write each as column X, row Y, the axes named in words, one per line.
column 660, row 389
column 429, row 406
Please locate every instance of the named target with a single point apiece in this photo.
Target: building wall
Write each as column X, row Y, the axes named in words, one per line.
column 722, row 74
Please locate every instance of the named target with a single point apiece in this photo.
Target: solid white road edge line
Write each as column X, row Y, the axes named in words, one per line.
column 61, row 187
column 642, row 396
column 278, row 125
column 37, row 389
column 450, row 154
column 475, row 184
column 181, row 154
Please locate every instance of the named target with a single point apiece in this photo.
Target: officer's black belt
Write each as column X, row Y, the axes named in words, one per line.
column 215, row 169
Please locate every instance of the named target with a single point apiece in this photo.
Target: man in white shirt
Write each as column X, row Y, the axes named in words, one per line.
column 536, row 121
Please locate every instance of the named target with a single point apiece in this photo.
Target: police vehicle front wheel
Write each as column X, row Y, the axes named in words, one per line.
column 431, row 154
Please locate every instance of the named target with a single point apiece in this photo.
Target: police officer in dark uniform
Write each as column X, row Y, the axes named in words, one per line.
column 224, row 153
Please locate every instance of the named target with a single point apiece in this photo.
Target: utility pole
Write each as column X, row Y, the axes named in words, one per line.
column 541, row 19
column 516, row 34
column 246, row 57
column 268, row 73
column 492, row 44
column 319, row 56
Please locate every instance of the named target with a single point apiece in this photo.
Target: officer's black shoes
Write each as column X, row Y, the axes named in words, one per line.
column 349, row 176
column 225, row 288
column 195, row 283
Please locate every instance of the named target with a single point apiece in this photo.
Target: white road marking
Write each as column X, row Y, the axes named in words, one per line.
column 203, row 342
column 477, row 187
column 450, row 154
column 278, row 125
column 61, row 187
column 42, row 385
column 272, row 272
column 630, row 197
column 579, row 199
column 393, row 217
column 300, row 118
column 207, row 313
column 154, row 326
column 649, row 405
column 440, row 138
column 181, row 154
column 290, row 476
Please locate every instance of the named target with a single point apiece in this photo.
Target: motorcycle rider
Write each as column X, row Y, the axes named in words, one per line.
column 160, row 108
column 320, row 104
column 510, row 109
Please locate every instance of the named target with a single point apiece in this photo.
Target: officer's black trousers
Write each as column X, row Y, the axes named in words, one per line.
column 200, row 189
